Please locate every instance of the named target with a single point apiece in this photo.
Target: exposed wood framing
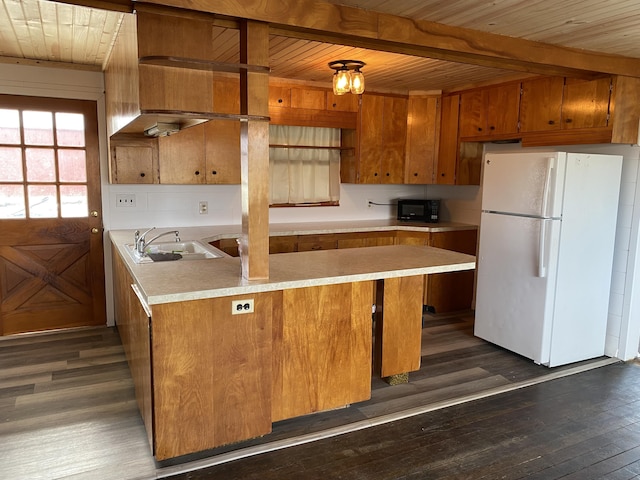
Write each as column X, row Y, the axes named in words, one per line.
column 401, row 35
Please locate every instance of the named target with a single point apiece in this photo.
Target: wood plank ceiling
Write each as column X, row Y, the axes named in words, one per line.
column 34, row 30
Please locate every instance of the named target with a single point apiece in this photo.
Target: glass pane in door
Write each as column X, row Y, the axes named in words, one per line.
column 42, row 201
column 9, row 126
column 41, row 164
column 38, row 127
column 11, row 164
column 73, row 201
column 12, row 202
column 70, row 129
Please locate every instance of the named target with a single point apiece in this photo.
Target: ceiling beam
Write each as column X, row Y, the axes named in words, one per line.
column 367, row 29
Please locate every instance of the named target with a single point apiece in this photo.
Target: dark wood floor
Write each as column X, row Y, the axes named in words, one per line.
column 67, row 411
column 585, row 426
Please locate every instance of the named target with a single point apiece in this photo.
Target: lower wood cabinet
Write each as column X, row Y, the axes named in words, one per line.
column 205, row 377
column 321, row 349
column 452, row 291
column 211, row 374
column 134, row 329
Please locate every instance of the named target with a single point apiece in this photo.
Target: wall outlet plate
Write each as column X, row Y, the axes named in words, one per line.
column 242, row 306
column 125, row 200
column 203, row 208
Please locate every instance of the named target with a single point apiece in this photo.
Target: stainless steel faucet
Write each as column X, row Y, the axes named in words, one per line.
column 141, row 241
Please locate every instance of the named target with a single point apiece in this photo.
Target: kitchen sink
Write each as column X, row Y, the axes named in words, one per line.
column 173, row 251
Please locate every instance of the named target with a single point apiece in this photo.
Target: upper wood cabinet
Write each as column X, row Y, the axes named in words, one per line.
column 585, row 104
column 380, row 143
column 182, row 157
column 490, row 111
column 541, row 104
column 133, row 159
column 556, row 103
column 205, row 154
column 423, row 127
column 311, row 106
column 448, row 145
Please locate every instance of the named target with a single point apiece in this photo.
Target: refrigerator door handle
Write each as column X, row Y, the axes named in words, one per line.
column 547, row 184
column 542, row 249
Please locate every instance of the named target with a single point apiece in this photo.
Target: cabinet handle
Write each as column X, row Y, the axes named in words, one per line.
column 442, row 174
column 415, row 174
column 214, row 172
column 335, row 105
column 551, row 122
column 492, row 127
column 142, row 174
column 479, row 129
column 375, row 174
column 388, row 174
column 279, row 100
column 568, row 120
column 197, row 172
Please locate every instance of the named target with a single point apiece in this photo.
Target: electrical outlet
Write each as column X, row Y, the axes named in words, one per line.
column 125, row 200
column 203, row 208
column 241, row 306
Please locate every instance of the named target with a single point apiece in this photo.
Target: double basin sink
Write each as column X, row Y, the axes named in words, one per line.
column 173, row 251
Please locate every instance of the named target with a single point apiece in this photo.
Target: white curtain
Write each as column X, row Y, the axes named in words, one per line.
column 304, row 175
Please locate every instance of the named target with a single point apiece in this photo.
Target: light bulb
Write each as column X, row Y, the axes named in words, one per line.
column 357, row 82
column 341, row 82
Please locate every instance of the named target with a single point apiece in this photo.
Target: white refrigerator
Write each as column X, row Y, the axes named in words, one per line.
column 545, row 256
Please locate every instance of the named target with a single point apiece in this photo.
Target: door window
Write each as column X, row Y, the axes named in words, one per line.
column 43, row 164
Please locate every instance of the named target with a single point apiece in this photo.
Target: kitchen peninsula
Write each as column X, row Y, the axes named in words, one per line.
column 207, row 376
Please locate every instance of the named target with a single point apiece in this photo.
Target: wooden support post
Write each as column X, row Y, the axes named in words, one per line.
column 398, row 333
column 254, row 148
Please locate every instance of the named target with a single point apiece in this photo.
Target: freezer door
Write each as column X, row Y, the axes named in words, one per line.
column 516, row 282
column 524, row 183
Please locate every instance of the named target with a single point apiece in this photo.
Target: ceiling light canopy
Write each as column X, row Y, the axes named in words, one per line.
column 348, row 77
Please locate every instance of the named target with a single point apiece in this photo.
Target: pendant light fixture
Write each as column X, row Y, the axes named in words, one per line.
column 348, row 77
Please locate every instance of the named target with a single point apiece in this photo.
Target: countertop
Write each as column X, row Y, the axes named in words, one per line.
column 167, row 282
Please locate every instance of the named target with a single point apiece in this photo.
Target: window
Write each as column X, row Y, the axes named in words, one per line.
column 43, row 166
column 304, row 165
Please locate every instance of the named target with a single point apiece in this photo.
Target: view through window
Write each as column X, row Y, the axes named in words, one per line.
column 43, row 167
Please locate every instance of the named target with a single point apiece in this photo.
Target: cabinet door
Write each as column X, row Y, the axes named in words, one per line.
column 222, row 152
column 365, row 239
column 321, row 349
column 404, row 237
column 308, row 98
column 394, row 138
column 448, row 292
column 423, row 121
column 370, row 141
column 502, row 109
column 541, row 104
column 586, row 104
column 448, row 145
column 134, row 163
column 283, row 244
column 342, row 103
column 279, row 96
column 182, row 157
column 472, row 113
column 317, row 242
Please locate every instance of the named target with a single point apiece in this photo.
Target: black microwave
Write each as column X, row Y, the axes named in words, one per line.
column 419, row 210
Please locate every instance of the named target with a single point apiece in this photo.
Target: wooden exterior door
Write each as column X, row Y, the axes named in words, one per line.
column 51, row 248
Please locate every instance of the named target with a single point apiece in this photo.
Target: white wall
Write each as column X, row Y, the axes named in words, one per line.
column 177, row 205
